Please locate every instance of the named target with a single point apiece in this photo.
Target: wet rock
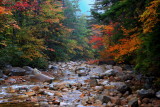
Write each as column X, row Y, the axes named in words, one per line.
column 158, row 94
column 98, row 102
column 30, row 93
column 124, row 101
column 115, row 100
column 1, row 73
column 146, row 100
column 5, row 76
column 23, row 96
column 93, row 82
column 53, row 67
column 110, row 72
column 117, row 68
column 82, row 71
column 99, row 88
column 126, row 77
column 36, row 88
column 39, row 77
column 65, row 90
column 146, row 93
column 85, row 100
column 104, row 99
column 10, row 90
column 17, row 71
column 133, row 103
column 59, row 94
column 1, row 81
column 108, row 67
column 124, row 88
column 67, row 72
column 48, row 93
column 43, row 104
column 28, row 69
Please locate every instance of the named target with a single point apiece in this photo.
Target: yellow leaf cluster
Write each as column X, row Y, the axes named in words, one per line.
column 149, row 17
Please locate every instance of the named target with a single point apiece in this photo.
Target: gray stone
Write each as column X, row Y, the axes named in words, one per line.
column 117, row 68
column 53, row 67
column 133, row 103
column 17, row 71
column 158, row 94
column 106, row 99
column 1, row 81
column 93, row 82
column 124, row 88
column 82, row 71
column 110, row 72
column 1, row 73
column 28, row 69
column 146, row 93
column 108, row 67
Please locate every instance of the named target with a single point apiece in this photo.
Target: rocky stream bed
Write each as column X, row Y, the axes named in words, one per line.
column 76, row 84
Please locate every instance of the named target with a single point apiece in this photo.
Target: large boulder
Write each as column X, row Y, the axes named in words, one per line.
column 39, row 77
column 17, row 71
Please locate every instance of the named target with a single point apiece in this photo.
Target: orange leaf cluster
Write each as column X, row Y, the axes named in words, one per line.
column 4, row 11
column 127, row 45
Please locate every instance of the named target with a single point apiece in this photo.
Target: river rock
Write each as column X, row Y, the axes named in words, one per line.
column 39, row 77
column 158, row 94
column 28, row 69
column 82, row 71
column 17, row 71
column 43, row 104
column 146, row 93
column 104, row 99
column 124, row 88
column 115, row 100
column 110, row 72
column 1, row 81
column 93, row 82
column 108, row 67
column 146, row 100
column 53, row 67
column 85, row 100
column 1, row 73
column 99, row 88
column 133, row 103
column 117, row 68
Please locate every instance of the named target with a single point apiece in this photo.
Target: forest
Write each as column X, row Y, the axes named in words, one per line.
column 54, row 35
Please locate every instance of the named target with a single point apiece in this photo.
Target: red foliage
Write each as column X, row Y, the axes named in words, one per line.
column 50, row 49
